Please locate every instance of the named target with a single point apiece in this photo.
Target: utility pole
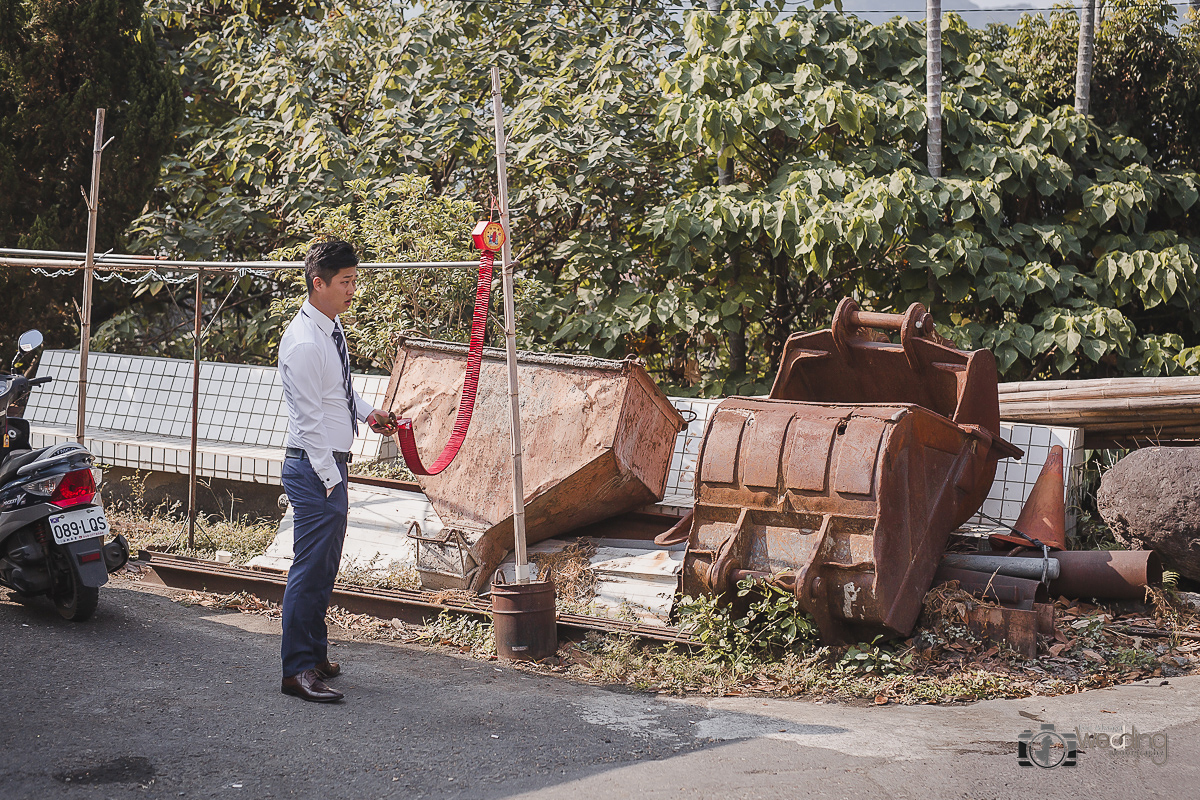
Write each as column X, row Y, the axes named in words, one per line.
column 89, row 267
column 933, row 84
column 1083, row 65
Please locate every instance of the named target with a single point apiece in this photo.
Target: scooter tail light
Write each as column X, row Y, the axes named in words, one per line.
column 76, row 488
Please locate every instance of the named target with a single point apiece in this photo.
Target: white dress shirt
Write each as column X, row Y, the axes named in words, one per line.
column 311, row 371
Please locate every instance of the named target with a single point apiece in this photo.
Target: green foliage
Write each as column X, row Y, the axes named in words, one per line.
column 773, row 623
column 1145, row 77
column 283, row 112
column 1050, row 240
column 462, row 630
column 59, row 61
column 403, row 222
column 239, row 325
column 867, row 659
column 1063, row 245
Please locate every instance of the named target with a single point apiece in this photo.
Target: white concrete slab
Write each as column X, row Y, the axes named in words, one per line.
column 376, row 529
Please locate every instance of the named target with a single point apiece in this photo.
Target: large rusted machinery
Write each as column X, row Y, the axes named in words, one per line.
column 598, row 441
column 844, row 485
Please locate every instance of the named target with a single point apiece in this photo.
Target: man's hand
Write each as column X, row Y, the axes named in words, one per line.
column 383, row 422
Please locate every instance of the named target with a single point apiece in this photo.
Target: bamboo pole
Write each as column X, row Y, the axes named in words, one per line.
column 193, row 467
column 85, row 310
column 1098, row 389
column 510, row 334
column 1111, row 411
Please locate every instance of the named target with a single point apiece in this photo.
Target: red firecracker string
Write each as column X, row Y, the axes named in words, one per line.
column 404, row 428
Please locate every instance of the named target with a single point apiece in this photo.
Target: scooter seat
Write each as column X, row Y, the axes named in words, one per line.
column 16, row 460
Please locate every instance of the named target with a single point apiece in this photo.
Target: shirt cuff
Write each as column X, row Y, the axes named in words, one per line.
column 363, row 408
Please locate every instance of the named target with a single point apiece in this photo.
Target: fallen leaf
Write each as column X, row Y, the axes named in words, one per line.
column 880, row 700
column 1092, row 655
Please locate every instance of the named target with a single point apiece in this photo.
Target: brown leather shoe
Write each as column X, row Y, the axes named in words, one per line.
column 308, row 686
column 328, row 669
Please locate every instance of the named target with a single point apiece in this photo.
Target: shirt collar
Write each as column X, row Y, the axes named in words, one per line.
column 318, row 317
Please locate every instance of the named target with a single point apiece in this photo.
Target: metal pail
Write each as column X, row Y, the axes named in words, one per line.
column 523, row 616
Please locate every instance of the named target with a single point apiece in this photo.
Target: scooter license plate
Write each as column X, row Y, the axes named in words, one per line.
column 86, row 523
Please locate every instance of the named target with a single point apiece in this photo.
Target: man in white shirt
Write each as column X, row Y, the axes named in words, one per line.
column 323, row 416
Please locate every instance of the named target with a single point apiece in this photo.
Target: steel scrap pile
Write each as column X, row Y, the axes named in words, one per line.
column 845, row 485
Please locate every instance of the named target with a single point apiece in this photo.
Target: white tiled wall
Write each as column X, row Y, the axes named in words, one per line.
column 681, row 479
column 1015, row 479
column 139, row 414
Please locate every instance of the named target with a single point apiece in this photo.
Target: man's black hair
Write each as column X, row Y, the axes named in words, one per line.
column 327, row 259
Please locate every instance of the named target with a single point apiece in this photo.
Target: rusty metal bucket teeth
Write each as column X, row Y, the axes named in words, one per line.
column 846, row 483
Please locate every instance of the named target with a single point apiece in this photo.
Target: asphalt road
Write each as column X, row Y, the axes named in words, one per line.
column 152, row 699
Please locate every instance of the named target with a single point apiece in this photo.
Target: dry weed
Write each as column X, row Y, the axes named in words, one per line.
column 571, row 571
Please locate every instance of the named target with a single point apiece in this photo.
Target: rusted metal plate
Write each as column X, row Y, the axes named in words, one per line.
column 760, row 462
column 723, row 439
column 1006, row 589
column 846, row 483
column 598, row 438
column 808, row 452
column 857, row 454
column 1017, row 628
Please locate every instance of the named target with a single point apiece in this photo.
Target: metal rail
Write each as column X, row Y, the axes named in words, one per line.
column 413, row 606
column 137, row 264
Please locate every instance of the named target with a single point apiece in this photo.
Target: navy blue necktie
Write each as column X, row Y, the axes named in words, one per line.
column 339, row 342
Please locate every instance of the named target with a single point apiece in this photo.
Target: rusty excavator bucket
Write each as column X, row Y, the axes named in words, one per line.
column 844, row 485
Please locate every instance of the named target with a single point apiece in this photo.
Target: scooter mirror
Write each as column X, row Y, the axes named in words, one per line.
column 30, row 340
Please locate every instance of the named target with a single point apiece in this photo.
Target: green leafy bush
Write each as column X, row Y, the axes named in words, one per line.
column 773, row 623
column 872, row 658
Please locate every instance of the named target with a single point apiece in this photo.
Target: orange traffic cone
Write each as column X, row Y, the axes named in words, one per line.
column 1044, row 516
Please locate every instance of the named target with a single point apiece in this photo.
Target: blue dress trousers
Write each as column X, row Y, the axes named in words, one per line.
column 320, row 530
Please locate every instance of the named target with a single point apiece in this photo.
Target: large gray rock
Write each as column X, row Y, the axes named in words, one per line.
column 1151, row 501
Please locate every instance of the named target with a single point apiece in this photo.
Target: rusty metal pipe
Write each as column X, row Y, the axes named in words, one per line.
column 876, row 319
column 1106, row 574
column 1019, row 592
column 739, row 575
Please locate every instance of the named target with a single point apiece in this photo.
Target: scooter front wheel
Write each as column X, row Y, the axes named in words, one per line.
column 79, row 602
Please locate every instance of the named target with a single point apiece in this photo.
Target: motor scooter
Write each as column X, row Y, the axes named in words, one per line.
column 53, row 530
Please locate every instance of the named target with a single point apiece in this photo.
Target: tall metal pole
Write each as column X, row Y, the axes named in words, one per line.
column 933, row 84
column 1083, row 61
column 85, row 311
column 510, row 333
column 192, row 465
